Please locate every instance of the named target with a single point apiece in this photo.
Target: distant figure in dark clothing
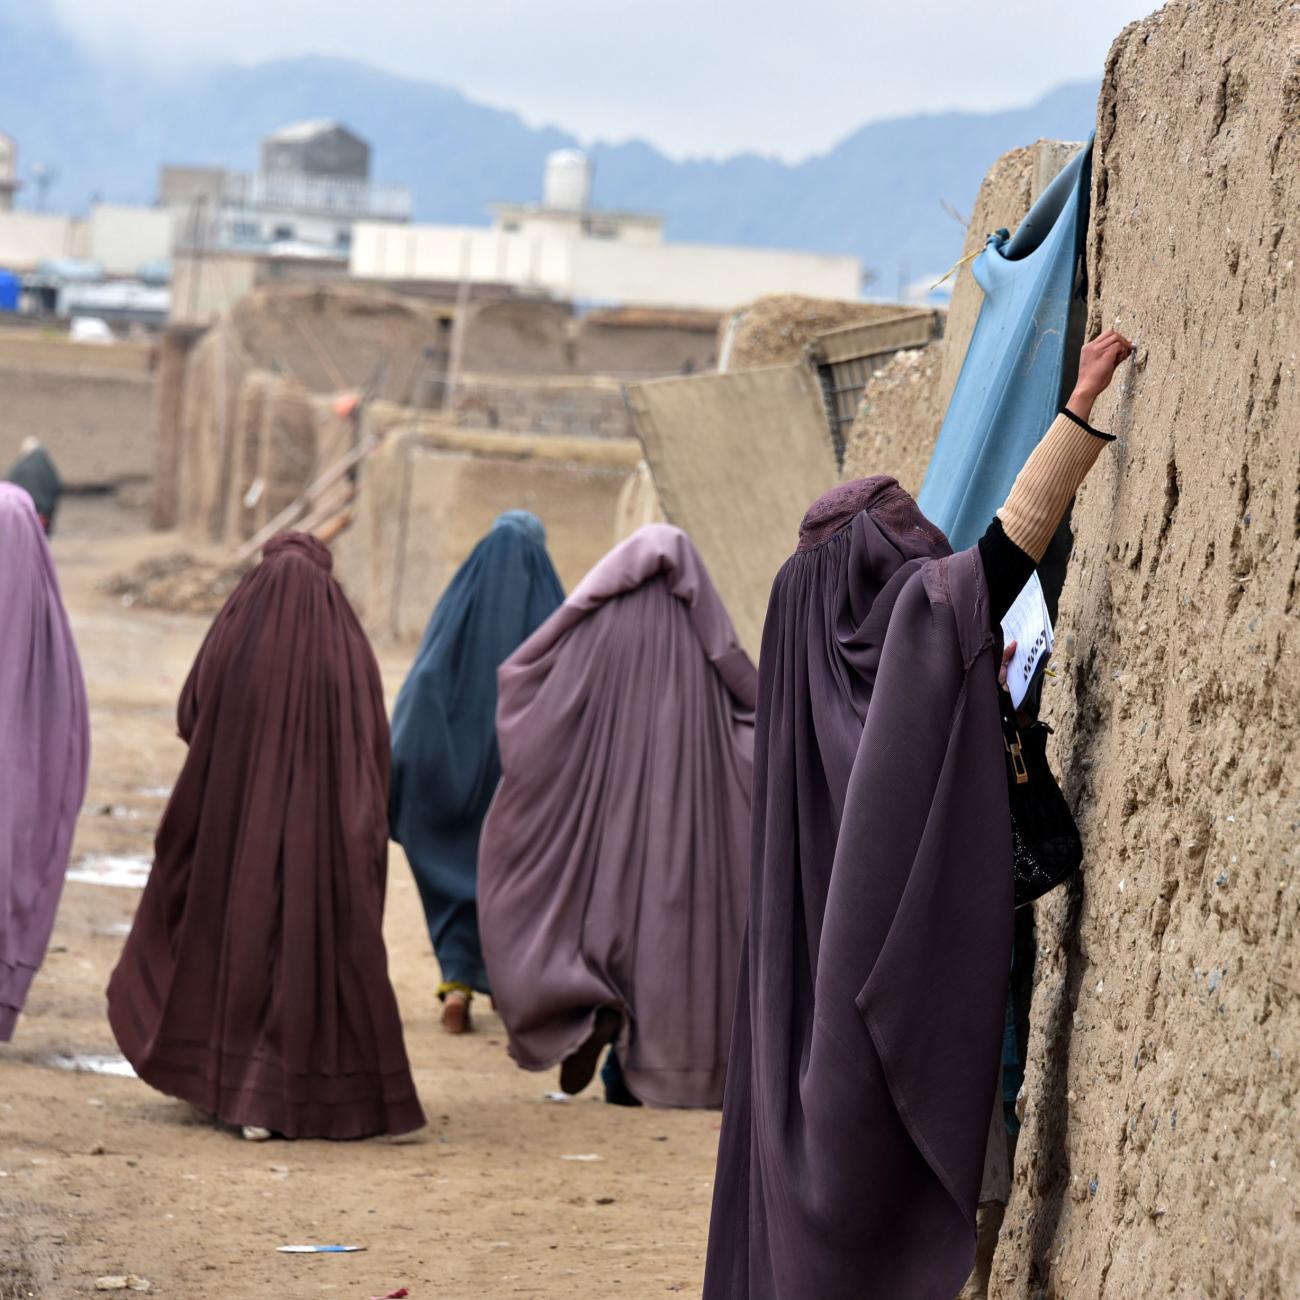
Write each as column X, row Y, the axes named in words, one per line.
column 34, row 472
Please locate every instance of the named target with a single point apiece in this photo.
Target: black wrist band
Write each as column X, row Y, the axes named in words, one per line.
column 1083, row 424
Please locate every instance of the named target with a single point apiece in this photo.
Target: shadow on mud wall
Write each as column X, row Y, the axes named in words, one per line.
column 1052, row 1179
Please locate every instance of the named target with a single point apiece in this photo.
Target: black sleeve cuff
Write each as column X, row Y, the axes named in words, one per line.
column 1083, row 424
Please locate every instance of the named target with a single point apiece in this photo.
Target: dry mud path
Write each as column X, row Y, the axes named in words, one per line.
column 101, row 1175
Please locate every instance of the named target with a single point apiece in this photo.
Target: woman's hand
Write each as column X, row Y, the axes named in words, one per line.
column 1097, row 364
column 1007, row 656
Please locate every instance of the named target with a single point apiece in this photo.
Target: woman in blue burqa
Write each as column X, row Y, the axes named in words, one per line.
column 445, row 761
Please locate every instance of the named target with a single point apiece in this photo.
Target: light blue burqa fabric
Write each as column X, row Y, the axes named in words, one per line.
column 1018, row 361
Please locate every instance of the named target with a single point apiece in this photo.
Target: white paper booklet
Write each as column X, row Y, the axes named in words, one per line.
column 1029, row 625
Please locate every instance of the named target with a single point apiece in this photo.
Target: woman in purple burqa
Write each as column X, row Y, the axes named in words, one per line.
column 869, row 1020
column 614, row 864
column 44, row 748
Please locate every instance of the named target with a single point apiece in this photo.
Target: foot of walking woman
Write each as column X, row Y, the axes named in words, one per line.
column 579, row 1067
column 455, row 1000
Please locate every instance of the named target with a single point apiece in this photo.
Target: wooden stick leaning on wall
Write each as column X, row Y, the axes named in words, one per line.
column 312, row 494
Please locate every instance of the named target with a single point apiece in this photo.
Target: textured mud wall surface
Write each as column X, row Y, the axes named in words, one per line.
column 287, row 449
column 898, row 421
column 737, row 458
column 169, row 409
column 31, row 349
column 426, row 498
column 90, row 404
column 250, row 412
column 97, row 424
column 245, row 403
column 780, row 327
column 1159, row 1154
column 335, row 338
column 904, row 405
column 631, row 341
column 580, row 406
column 519, row 336
column 209, row 404
column 638, row 503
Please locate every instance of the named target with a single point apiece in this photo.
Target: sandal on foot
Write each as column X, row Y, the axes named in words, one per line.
column 455, row 1012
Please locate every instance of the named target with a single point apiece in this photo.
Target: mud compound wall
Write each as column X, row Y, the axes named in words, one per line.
column 581, row 406
column 92, row 405
column 898, row 421
column 431, row 491
column 735, row 460
column 779, row 328
column 1159, row 1151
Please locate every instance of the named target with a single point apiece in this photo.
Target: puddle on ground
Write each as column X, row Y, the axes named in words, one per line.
column 127, row 871
column 117, row 1066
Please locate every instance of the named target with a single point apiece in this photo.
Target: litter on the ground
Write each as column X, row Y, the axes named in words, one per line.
column 126, row 871
column 582, row 1157
column 117, row 1066
column 122, row 1282
column 318, row 1250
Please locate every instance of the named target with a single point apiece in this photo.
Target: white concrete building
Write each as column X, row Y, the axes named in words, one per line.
column 588, row 269
column 124, row 240
column 9, row 182
column 570, row 250
column 120, row 240
column 29, row 238
column 312, row 186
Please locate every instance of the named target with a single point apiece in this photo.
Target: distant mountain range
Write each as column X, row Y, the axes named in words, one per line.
column 105, row 128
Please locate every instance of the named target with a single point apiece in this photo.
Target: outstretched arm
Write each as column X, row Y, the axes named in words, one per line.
column 1051, row 476
column 1016, row 540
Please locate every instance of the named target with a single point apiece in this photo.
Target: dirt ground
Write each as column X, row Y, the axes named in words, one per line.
column 101, row 1175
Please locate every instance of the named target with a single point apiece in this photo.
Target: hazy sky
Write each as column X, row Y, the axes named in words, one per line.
column 692, row 76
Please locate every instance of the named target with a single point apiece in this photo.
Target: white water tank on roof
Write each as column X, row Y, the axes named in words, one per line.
column 567, row 184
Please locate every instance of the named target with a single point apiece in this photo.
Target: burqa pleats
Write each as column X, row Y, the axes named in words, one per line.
column 44, row 748
column 613, row 870
column 254, row 982
column 445, row 761
column 865, row 1051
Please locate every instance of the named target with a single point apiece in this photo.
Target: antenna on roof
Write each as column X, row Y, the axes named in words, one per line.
column 43, row 176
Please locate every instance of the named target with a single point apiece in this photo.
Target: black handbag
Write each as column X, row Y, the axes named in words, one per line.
column 1045, row 839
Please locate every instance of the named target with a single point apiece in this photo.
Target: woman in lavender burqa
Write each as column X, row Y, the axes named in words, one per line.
column 864, row 1059
column 44, row 748
column 254, row 983
column 613, row 868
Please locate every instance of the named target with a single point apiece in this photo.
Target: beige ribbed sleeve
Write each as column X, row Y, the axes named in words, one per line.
column 1046, row 485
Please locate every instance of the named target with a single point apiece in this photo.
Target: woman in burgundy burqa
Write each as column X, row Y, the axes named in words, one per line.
column 254, row 983
column 864, row 1058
